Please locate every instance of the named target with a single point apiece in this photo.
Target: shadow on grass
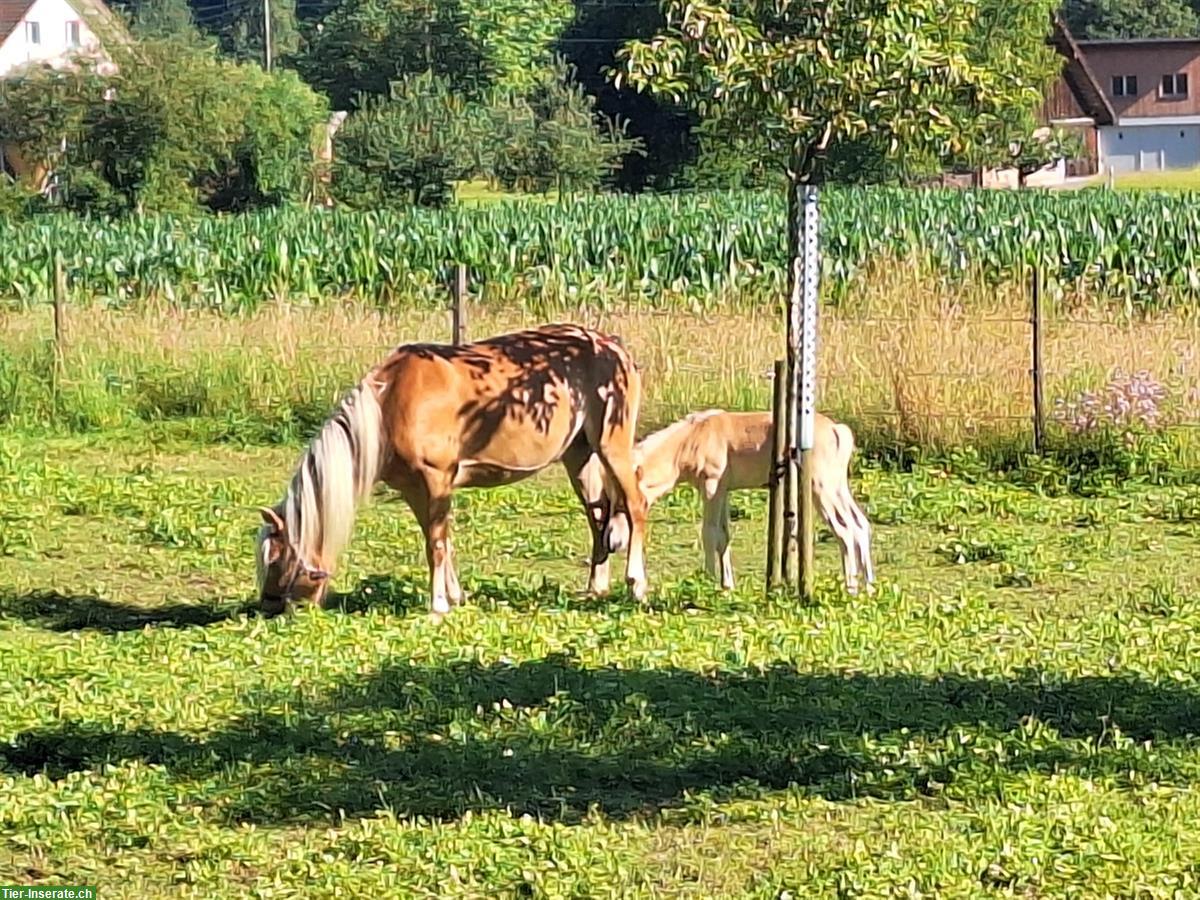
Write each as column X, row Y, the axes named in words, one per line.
column 553, row 739
column 60, row 612
column 409, row 595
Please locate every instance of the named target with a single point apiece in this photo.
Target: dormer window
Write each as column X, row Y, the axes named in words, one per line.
column 1174, row 87
column 1124, row 86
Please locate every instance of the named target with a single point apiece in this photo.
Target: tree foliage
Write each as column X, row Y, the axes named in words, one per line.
column 814, row 76
column 1131, row 18
column 363, row 46
column 548, row 136
column 175, row 128
column 408, row 148
column 517, row 38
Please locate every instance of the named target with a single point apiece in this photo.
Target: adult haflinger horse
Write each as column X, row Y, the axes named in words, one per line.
column 431, row 418
column 717, row 452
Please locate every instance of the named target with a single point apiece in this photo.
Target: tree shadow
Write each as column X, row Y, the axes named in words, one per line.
column 61, row 612
column 554, row 739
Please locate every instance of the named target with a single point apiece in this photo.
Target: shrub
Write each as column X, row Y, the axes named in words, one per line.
column 409, row 148
column 551, row 137
column 174, row 128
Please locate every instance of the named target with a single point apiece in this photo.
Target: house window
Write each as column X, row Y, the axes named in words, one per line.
column 1124, row 86
column 1174, row 87
column 73, row 34
column 33, row 33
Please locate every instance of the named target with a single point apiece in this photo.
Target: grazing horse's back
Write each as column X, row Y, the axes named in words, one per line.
column 504, row 408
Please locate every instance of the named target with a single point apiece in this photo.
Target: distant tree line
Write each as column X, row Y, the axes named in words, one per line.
column 1101, row 19
column 516, row 92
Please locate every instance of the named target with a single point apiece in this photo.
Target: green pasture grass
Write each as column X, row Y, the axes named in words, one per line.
column 480, row 191
column 1013, row 713
column 1173, row 181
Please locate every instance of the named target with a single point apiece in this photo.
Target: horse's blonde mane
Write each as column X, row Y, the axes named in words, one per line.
column 335, row 475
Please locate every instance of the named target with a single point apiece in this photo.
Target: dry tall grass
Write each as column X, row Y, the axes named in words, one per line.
column 912, row 359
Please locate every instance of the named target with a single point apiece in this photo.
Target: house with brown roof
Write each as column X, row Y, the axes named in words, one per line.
column 1133, row 101
column 54, row 33
column 1075, row 101
column 1152, row 85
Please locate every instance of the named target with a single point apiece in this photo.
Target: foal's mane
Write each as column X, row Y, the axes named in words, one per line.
column 335, row 475
column 676, row 431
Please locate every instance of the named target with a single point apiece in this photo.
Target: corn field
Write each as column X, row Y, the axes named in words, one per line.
column 1135, row 247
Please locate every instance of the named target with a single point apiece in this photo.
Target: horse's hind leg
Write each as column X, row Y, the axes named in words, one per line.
column 454, row 592
column 715, row 533
column 430, row 502
column 616, row 453
column 586, row 474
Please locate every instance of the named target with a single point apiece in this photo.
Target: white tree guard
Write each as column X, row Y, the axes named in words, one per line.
column 808, row 332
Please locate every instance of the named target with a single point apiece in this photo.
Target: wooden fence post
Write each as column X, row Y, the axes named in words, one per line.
column 60, row 299
column 795, row 302
column 1039, row 409
column 779, row 461
column 458, row 313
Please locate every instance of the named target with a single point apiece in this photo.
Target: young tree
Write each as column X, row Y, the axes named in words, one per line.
column 815, row 73
column 363, row 46
column 409, row 148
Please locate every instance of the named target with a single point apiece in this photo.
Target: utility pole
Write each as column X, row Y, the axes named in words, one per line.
column 267, row 34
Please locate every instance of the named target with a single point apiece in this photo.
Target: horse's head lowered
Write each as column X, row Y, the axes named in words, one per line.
column 283, row 575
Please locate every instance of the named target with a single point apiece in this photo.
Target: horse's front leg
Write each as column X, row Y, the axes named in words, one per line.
column 712, row 532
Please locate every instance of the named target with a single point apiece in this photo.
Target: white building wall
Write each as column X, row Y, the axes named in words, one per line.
column 52, row 18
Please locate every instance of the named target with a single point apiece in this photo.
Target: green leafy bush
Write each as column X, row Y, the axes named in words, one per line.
column 408, row 148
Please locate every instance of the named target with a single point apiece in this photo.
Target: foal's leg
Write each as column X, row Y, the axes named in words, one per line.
column 710, row 530
column 717, row 560
column 724, row 552
column 585, row 472
column 835, row 518
column 862, row 540
column 454, row 592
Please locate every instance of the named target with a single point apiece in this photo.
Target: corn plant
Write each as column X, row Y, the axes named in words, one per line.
column 1134, row 247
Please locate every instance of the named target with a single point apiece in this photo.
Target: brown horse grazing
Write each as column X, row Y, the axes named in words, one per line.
column 431, row 418
column 717, row 452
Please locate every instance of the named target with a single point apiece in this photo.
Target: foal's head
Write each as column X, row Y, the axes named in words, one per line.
column 283, row 575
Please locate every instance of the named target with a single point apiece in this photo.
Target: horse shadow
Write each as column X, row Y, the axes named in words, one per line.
column 405, row 595
column 55, row 611
column 557, row 740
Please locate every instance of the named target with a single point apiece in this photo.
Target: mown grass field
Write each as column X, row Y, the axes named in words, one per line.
column 1014, row 713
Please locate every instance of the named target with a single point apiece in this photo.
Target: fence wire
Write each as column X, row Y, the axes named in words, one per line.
column 942, row 378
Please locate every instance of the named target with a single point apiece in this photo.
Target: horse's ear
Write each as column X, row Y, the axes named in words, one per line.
column 270, row 517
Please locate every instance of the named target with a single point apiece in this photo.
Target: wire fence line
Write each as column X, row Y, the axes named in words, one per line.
column 1030, row 368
